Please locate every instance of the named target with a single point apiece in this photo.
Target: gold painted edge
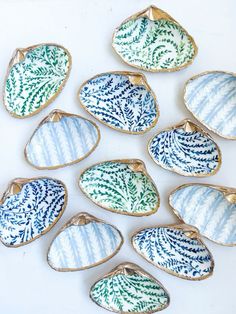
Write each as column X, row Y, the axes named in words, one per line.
column 47, row 119
column 56, row 220
column 128, row 74
column 69, row 223
column 140, row 14
column 50, row 100
column 123, row 268
column 200, row 130
column 219, row 188
column 195, row 116
column 184, row 227
column 129, row 162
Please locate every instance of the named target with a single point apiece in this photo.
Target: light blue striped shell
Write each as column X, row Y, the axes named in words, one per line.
column 211, row 98
column 83, row 246
column 31, row 212
column 113, row 99
column 170, row 249
column 57, row 144
column 187, row 153
column 206, row 208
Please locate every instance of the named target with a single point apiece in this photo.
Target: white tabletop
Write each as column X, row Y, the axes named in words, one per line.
column 27, row 284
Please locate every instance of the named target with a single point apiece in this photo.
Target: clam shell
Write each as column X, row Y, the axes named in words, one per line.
column 35, row 76
column 30, row 208
column 176, row 249
column 211, row 98
column 121, row 186
column 84, row 242
column 129, row 289
column 210, row 208
column 152, row 40
column 61, row 139
column 121, row 100
column 186, row 149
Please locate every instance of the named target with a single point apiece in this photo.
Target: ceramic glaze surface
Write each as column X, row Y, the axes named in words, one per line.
column 114, row 100
column 211, row 97
column 187, row 153
column 207, row 209
column 129, row 293
column 78, row 247
column 113, row 185
column 153, row 45
column 31, row 212
column 34, row 81
column 172, row 250
column 56, row 144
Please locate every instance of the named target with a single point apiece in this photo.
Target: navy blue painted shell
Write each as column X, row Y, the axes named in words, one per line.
column 187, row 153
column 31, row 212
column 113, row 99
column 170, row 249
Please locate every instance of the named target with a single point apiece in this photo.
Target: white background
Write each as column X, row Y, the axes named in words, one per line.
column 27, row 284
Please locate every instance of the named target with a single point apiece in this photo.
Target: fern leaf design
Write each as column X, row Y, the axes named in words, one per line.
column 31, row 212
column 136, row 293
column 114, row 100
column 113, row 185
column 154, row 45
column 33, row 82
column 170, row 249
column 189, row 153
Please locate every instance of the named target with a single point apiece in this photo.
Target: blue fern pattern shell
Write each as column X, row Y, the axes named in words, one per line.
column 170, row 249
column 154, row 45
column 113, row 99
column 31, row 212
column 129, row 293
column 121, row 186
column 33, row 82
column 60, row 143
column 208, row 209
column 211, row 98
column 83, row 246
column 187, row 153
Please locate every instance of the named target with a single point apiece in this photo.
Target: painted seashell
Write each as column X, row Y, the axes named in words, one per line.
column 129, row 289
column 30, row 208
column 176, row 249
column 84, row 242
column 152, row 40
column 121, row 186
column 121, row 100
column 186, row 149
column 210, row 208
column 61, row 139
column 211, row 98
column 35, row 76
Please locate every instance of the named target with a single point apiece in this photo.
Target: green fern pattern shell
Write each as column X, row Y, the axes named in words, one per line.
column 154, row 45
column 129, row 293
column 33, row 82
column 115, row 186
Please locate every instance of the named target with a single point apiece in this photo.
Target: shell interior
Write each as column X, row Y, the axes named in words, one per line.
column 154, row 44
column 118, row 186
column 35, row 77
column 171, row 249
column 31, row 212
column 211, row 98
column 81, row 246
column 59, row 143
column 115, row 100
column 208, row 209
